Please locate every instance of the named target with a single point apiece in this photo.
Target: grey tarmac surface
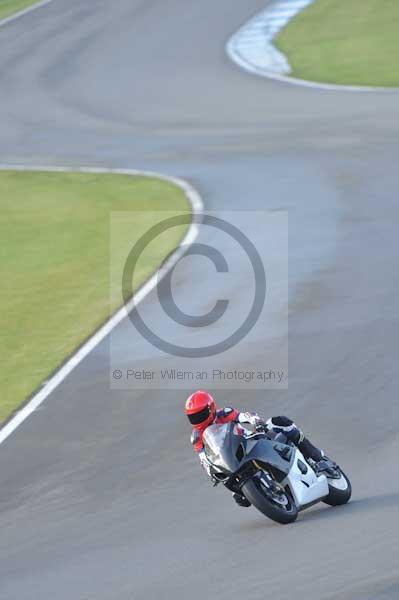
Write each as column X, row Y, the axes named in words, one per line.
column 100, row 495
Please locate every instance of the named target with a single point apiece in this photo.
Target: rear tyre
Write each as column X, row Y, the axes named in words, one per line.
column 340, row 491
column 281, row 514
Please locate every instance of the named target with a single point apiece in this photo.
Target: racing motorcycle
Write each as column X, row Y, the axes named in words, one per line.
column 271, row 472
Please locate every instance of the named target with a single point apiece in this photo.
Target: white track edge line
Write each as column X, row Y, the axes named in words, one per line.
column 197, row 207
column 235, row 55
column 23, row 12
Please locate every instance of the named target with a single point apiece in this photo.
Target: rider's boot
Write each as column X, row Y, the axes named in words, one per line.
column 310, row 451
column 241, row 499
column 323, row 463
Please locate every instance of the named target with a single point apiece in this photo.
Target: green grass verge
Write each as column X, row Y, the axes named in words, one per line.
column 8, row 7
column 55, row 263
column 345, row 42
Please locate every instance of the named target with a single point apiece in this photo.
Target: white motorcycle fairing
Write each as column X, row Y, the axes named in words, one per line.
column 306, row 487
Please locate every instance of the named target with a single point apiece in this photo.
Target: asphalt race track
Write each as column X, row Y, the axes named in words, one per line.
column 100, row 495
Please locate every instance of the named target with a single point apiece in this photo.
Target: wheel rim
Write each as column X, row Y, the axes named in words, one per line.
column 281, row 500
column 339, row 484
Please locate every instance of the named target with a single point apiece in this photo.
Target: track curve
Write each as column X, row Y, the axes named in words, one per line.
column 94, row 506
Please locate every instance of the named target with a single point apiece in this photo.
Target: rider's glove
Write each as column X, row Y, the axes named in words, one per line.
column 253, row 419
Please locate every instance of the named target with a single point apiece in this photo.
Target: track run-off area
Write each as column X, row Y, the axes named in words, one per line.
column 101, row 495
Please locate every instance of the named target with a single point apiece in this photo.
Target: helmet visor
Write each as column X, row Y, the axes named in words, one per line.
column 200, row 416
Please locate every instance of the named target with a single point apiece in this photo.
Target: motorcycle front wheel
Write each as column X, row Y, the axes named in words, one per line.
column 282, row 510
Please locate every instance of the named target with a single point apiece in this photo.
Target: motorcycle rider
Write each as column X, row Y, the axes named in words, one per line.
column 201, row 411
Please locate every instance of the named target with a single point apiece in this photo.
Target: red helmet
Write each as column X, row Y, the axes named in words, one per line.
column 200, row 408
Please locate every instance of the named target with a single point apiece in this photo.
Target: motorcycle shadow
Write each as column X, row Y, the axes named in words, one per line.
column 322, row 511
column 355, row 506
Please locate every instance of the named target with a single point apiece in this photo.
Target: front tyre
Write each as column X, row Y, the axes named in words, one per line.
column 282, row 511
column 340, row 490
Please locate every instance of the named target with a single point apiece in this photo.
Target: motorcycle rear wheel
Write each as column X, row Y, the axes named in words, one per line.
column 340, row 491
column 256, row 496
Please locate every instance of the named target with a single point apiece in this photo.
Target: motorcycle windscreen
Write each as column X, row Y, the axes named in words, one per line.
column 217, row 443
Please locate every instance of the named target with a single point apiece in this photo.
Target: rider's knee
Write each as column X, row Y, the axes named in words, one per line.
column 282, row 424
